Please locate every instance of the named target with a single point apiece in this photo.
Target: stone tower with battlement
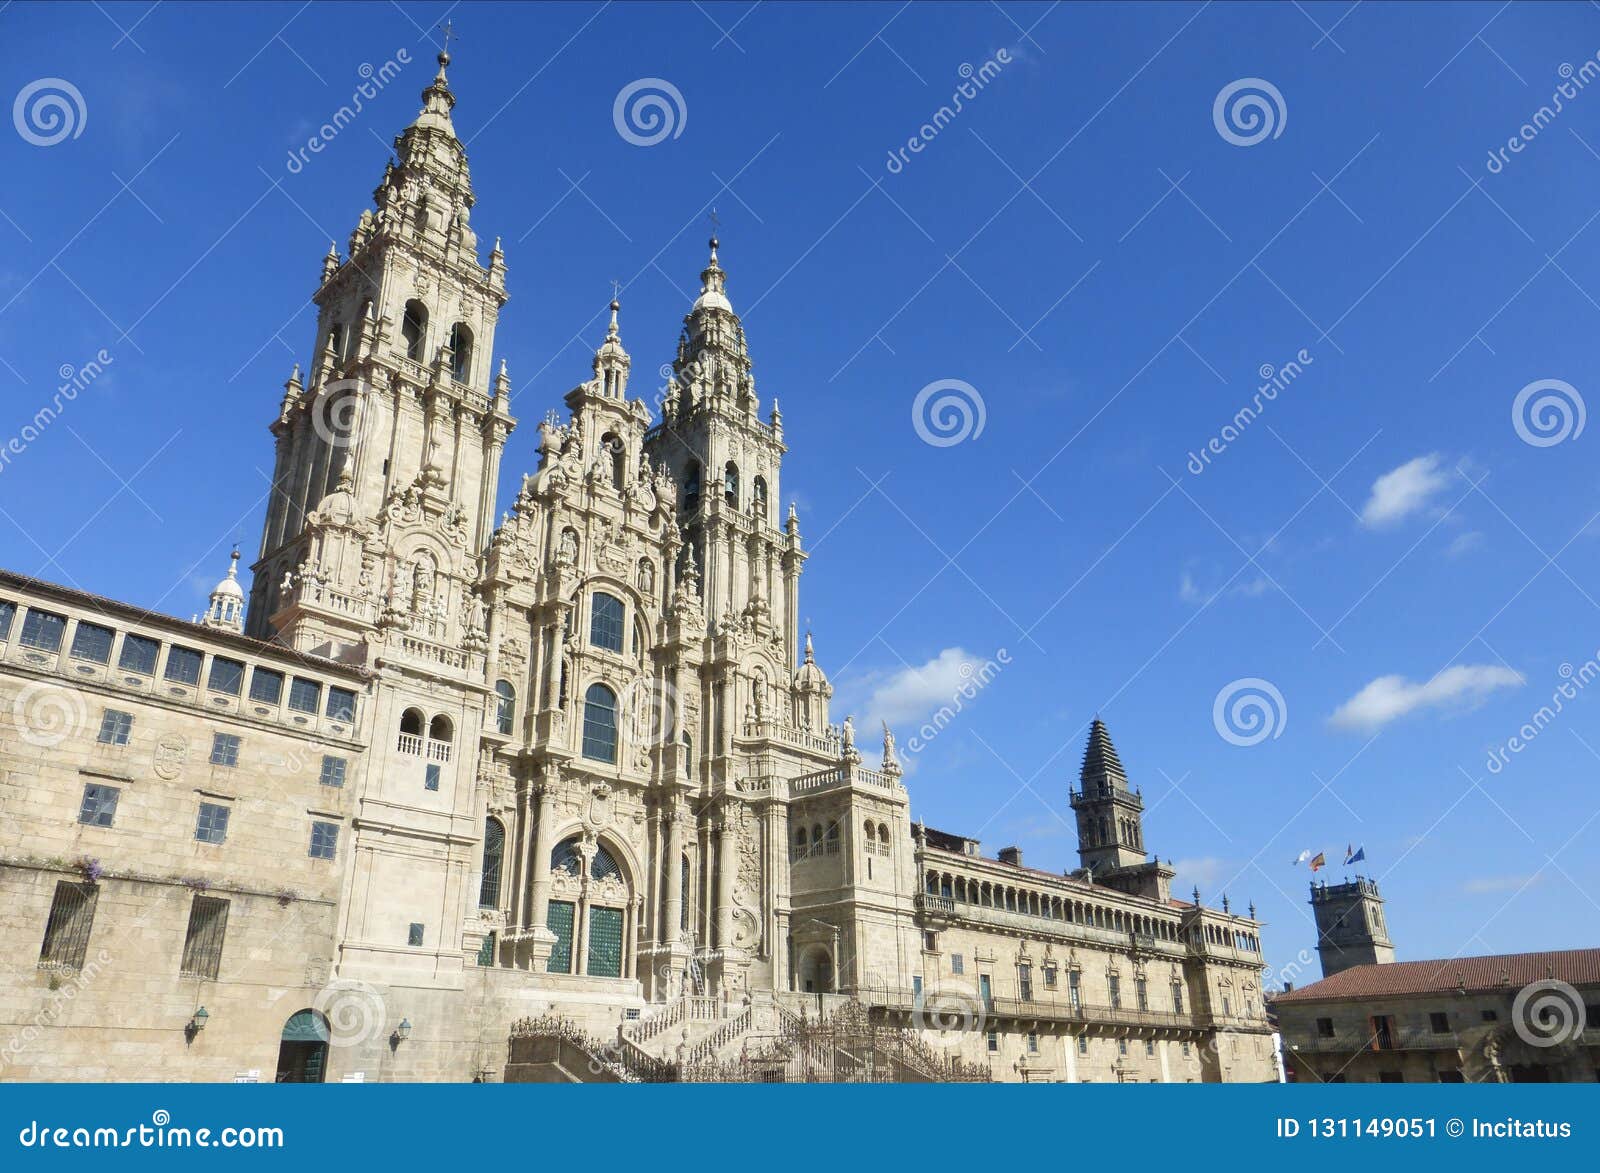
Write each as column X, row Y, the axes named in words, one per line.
column 1350, row 927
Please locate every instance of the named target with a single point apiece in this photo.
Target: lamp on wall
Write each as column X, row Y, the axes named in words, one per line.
column 401, row 1033
column 196, row 1024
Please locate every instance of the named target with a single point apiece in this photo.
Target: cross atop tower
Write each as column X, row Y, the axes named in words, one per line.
column 716, row 221
column 448, row 33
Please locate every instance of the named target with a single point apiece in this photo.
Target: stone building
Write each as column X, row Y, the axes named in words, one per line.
column 575, row 765
column 1513, row 1018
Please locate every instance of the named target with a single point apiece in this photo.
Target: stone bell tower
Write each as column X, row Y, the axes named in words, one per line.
column 388, row 449
column 1350, row 927
column 1111, row 823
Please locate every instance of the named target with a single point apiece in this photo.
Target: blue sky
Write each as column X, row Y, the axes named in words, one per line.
column 1081, row 245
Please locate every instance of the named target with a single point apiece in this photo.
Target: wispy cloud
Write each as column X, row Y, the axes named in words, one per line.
column 1487, row 884
column 1390, row 697
column 1204, row 872
column 906, row 696
column 1403, row 491
column 1464, row 544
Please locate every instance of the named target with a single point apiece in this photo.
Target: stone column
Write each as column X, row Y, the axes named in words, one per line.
column 674, row 910
column 541, row 855
column 726, row 869
column 530, row 818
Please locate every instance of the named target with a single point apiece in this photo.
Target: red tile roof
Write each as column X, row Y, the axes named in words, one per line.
column 1579, row 967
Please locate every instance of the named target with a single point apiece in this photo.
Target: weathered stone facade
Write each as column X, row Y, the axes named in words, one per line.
column 586, row 766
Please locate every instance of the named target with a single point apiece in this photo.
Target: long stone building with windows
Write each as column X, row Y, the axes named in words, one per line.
column 452, row 796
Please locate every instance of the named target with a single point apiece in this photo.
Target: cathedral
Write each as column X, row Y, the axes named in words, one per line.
column 556, row 794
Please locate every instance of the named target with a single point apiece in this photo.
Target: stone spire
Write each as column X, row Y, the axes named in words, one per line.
column 1101, row 768
column 438, row 101
column 713, row 362
column 227, row 600
column 611, row 361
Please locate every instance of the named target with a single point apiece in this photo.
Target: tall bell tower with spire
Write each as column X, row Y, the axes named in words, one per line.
column 398, row 422
column 1111, row 823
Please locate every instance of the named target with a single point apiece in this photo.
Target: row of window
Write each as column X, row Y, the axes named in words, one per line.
column 984, row 894
column 730, row 489
column 92, row 643
column 71, row 921
column 99, row 809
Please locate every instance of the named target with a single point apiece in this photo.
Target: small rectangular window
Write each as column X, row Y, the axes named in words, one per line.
column 115, row 726
column 266, row 686
column 414, row 934
column 1149, row 1049
column 1325, row 1028
column 43, row 630
column 930, row 942
column 139, row 655
column 332, row 771
column 1439, row 1022
column 92, row 642
column 224, row 749
column 66, row 933
column 1122, row 1046
column 1049, row 977
column 212, row 826
column 99, row 807
column 341, row 704
column 324, row 840
column 916, row 987
column 994, row 1040
column 1083, row 1044
column 957, row 963
column 8, row 612
column 202, row 944
column 227, row 676
column 1033, row 1043
column 1490, row 1016
column 432, row 780
column 183, row 665
column 304, row 695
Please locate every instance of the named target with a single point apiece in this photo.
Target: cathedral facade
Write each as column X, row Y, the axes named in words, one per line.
column 445, row 779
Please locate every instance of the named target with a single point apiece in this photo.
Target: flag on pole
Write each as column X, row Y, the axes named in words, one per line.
column 1356, row 856
column 1301, row 858
column 1318, row 862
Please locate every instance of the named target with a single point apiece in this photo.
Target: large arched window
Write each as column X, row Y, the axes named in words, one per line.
column 414, row 330
column 494, row 851
column 461, row 352
column 730, row 485
column 505, row 707
column 758, row 497
column 600, row 724
column 604, row 865
column 589, row 917
column 605, row 622
column 691, row 487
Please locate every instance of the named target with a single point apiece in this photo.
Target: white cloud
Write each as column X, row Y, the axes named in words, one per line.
column 907, row 697
column 1464, row 544
column 1486, row 884
column 1402, row 491
column 1390, row 697
column 1204, row 872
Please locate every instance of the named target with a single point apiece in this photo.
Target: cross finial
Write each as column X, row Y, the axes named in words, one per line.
column 716, row 221
column 616, row 290
column 448, row 29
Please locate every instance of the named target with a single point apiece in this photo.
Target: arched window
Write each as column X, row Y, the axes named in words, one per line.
column 600, row 724
column 691, row 487
column 730, row 485
column 758, row 497
column 505, row 707
column 440, row 729
column 414, row 330
column 494, row 851
column 337, row 337
column 605, row 622
column 461, row 352
column 411, row 726
column 567, row 858
column 604, row 865
column 833, row 838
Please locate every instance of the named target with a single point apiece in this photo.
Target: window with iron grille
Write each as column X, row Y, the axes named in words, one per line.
column 139, row 654
column 324, row 840
column 333, row 771
column 494, row 851
column 66, row 933
column 559, row 921
column 341, row 704
column 266, row 686
column 43, row 630
column 93, row 643
column 227, row 676
column 115, row 726
column 202, row 944
column 224, row 749
column 486, row 950
column 212, row 825
column 183, row 665
column 605, row 942
column 99, row 807
column 304, row 695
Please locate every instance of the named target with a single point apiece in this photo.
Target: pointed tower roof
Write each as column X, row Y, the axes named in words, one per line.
column 713, row 286
column 438, row 101
column 1101, row 766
